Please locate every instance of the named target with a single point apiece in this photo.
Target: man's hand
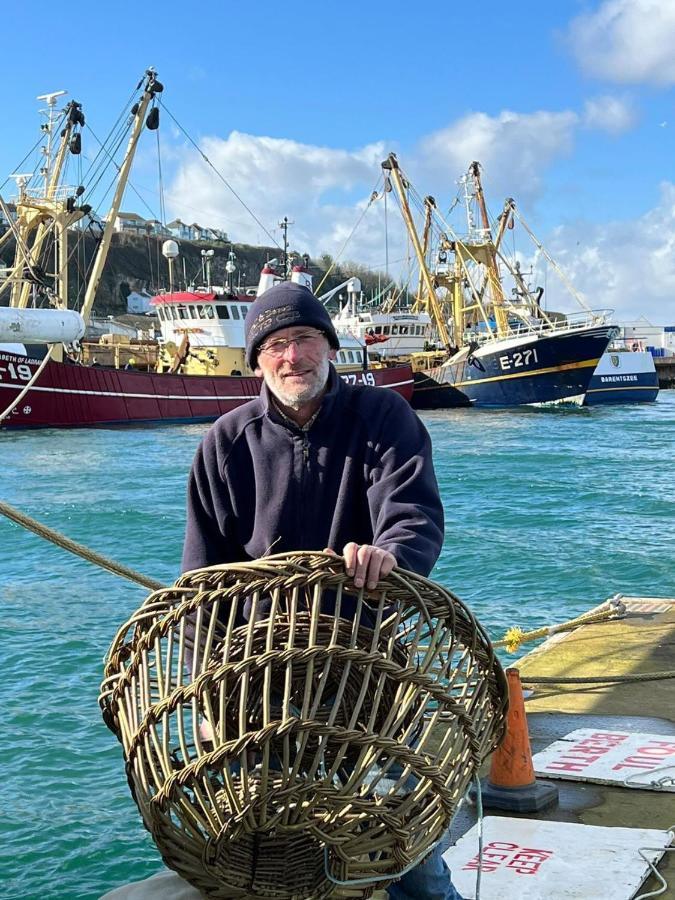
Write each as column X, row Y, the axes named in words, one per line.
column 367, row 563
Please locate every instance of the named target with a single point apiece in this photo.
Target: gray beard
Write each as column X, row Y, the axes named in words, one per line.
column 311, row 392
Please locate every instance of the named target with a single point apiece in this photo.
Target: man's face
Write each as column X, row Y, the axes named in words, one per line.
column 295, row 364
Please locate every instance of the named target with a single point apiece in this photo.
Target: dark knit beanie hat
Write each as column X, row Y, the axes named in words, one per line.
column 284, row 306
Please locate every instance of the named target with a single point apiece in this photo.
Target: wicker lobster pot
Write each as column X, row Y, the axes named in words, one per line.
column 287, row 735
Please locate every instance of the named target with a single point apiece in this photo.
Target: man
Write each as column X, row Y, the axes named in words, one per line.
column 315, row 464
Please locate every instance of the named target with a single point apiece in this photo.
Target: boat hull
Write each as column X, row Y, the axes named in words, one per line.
column 69, row 396
column 537, row 370
column 623, row 377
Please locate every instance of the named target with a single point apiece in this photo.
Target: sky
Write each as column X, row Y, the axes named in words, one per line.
column 568, row 106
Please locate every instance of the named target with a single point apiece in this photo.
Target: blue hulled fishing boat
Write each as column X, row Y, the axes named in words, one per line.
column 544, row 369
column 499, row 351
column 624, row 375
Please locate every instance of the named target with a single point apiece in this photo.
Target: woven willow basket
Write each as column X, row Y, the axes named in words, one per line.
column 287, row 735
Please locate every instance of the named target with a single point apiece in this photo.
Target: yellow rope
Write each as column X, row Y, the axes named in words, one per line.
column 515, row 636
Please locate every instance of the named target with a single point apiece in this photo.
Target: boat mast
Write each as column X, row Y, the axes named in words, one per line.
column 498, row 300
column 429, row 206
column 152, row 87
column 40, row 211
column 285, row 222
column 390, row 165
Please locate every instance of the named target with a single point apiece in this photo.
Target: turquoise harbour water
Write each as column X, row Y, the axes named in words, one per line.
column 548, row 513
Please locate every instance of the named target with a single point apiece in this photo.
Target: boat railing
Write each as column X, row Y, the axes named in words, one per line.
column 539, row 327
column 571, row 322
column 58, row 193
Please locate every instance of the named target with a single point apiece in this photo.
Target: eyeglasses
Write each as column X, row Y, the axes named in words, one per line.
column 278, row 347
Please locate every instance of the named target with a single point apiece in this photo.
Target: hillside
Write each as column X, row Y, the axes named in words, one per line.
column 135, row 263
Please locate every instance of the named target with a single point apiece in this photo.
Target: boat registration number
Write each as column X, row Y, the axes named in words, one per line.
column 518, row 359
column 20, row 372
column 359, row 378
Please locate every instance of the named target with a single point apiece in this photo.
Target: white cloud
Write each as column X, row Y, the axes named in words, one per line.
column 629, row 266
column 627, row 41
column 611, row 114
column 275, row 177
column 324, row 190
column 625, row 266
column 514, row 148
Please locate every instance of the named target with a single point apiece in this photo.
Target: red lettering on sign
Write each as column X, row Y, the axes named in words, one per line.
column 657, row 748
column 526, row 861
column 536, row 854
column 491, row 856
column 586, row 757
column 645, row 757
column 609, row 737
column 560, row 766
column 633, row 762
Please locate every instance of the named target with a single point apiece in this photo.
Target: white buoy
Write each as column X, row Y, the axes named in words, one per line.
column 40, row 326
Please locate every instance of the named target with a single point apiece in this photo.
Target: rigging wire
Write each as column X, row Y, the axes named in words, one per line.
column 386, row 231
column 219, row 174
column 19, row 167
column 147, row 246
column 162, row 208
column 373, row 197
column 118, row 124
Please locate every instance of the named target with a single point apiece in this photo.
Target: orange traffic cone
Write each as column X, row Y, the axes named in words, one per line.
column 511, row 783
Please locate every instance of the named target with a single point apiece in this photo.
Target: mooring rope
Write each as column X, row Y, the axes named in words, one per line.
column 514, row 637
column 615, row 607
column 49, row 534
column 599, row 679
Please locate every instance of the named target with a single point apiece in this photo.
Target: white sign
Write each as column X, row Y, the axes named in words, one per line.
column 644, row 761
column 529, row 859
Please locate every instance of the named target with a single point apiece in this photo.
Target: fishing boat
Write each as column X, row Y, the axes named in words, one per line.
column 46, row 381
column 625, row 374
column 388, row 331
column 498, row 351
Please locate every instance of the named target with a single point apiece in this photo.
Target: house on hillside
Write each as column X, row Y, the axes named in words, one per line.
column 195, row 232
column 178, row 229
column 213, row 234
column 154, row 226
column 131, row 223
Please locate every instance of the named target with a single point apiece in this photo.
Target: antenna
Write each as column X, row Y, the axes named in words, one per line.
column 207, row 256
column 50, row 99
column 48, row 127
column 285, row 222
column 22, row 179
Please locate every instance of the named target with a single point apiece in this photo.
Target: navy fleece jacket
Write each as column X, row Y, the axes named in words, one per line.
column 362, row 472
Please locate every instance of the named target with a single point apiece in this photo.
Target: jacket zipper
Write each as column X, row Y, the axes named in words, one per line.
column 303, row 480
